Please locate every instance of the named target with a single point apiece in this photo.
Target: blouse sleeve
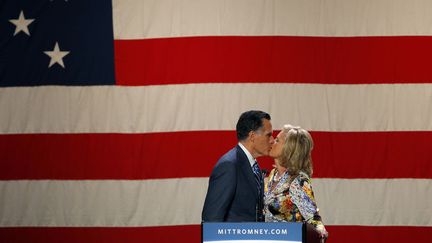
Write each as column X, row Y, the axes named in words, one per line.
column 302, row 196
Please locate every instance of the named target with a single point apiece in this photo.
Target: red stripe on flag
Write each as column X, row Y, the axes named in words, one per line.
column 167, row 234
column 235, row 59
column 371, row 234
column 372, row 154
column 193, row 154
column 192, row 233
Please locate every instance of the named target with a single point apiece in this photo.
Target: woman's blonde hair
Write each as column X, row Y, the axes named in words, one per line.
column 296, row 152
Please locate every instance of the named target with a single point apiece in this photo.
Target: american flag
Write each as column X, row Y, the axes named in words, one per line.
column 113, row 113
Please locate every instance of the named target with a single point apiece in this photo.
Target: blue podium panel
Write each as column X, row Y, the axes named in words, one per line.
column 252, row 232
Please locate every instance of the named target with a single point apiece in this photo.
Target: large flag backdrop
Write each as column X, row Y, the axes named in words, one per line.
column 112, row 114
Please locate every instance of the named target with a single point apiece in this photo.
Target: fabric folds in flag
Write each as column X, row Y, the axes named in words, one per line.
column 113, row 113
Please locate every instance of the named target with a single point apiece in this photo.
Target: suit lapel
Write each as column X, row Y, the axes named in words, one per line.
column 246, row 169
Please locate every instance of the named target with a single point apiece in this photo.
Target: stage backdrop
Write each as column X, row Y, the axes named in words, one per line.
column 112, row 114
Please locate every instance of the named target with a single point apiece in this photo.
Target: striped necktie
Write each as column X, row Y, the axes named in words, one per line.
column 258, row 176
column 259, row 181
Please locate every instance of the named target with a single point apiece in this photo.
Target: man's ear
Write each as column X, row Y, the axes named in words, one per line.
column 251, row 136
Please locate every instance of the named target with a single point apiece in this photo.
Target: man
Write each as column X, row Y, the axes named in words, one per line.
column 235, row 191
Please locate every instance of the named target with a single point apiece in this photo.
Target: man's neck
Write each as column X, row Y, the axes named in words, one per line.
column 249, row 148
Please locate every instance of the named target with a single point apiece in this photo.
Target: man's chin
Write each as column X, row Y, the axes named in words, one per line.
column 267, row 154
column 271, row 156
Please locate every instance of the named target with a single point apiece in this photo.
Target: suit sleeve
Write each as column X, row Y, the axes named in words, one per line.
column 220, row 192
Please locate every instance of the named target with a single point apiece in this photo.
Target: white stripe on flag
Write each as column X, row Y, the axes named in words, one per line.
column 112, row 109
column 138, row 19
column 86, row 203
column 375, row 202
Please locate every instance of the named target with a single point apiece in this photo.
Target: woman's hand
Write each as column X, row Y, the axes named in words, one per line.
column 322, row 232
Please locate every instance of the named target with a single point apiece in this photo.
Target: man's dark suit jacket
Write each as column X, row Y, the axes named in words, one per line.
column 232, row 193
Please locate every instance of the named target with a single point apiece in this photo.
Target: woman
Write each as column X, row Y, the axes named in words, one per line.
column 288, row 195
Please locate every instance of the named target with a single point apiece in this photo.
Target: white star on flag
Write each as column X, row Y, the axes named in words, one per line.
column 56, row 56
column 21, row 24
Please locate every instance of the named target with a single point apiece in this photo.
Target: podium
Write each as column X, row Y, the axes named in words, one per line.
column 253, row 232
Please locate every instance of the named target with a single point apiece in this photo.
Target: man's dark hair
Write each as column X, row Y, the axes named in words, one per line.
column 250, row 121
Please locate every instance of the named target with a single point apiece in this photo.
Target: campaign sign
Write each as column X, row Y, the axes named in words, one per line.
column 252, row 232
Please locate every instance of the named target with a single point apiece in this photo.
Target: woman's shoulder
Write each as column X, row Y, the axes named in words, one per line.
column 302, row 178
